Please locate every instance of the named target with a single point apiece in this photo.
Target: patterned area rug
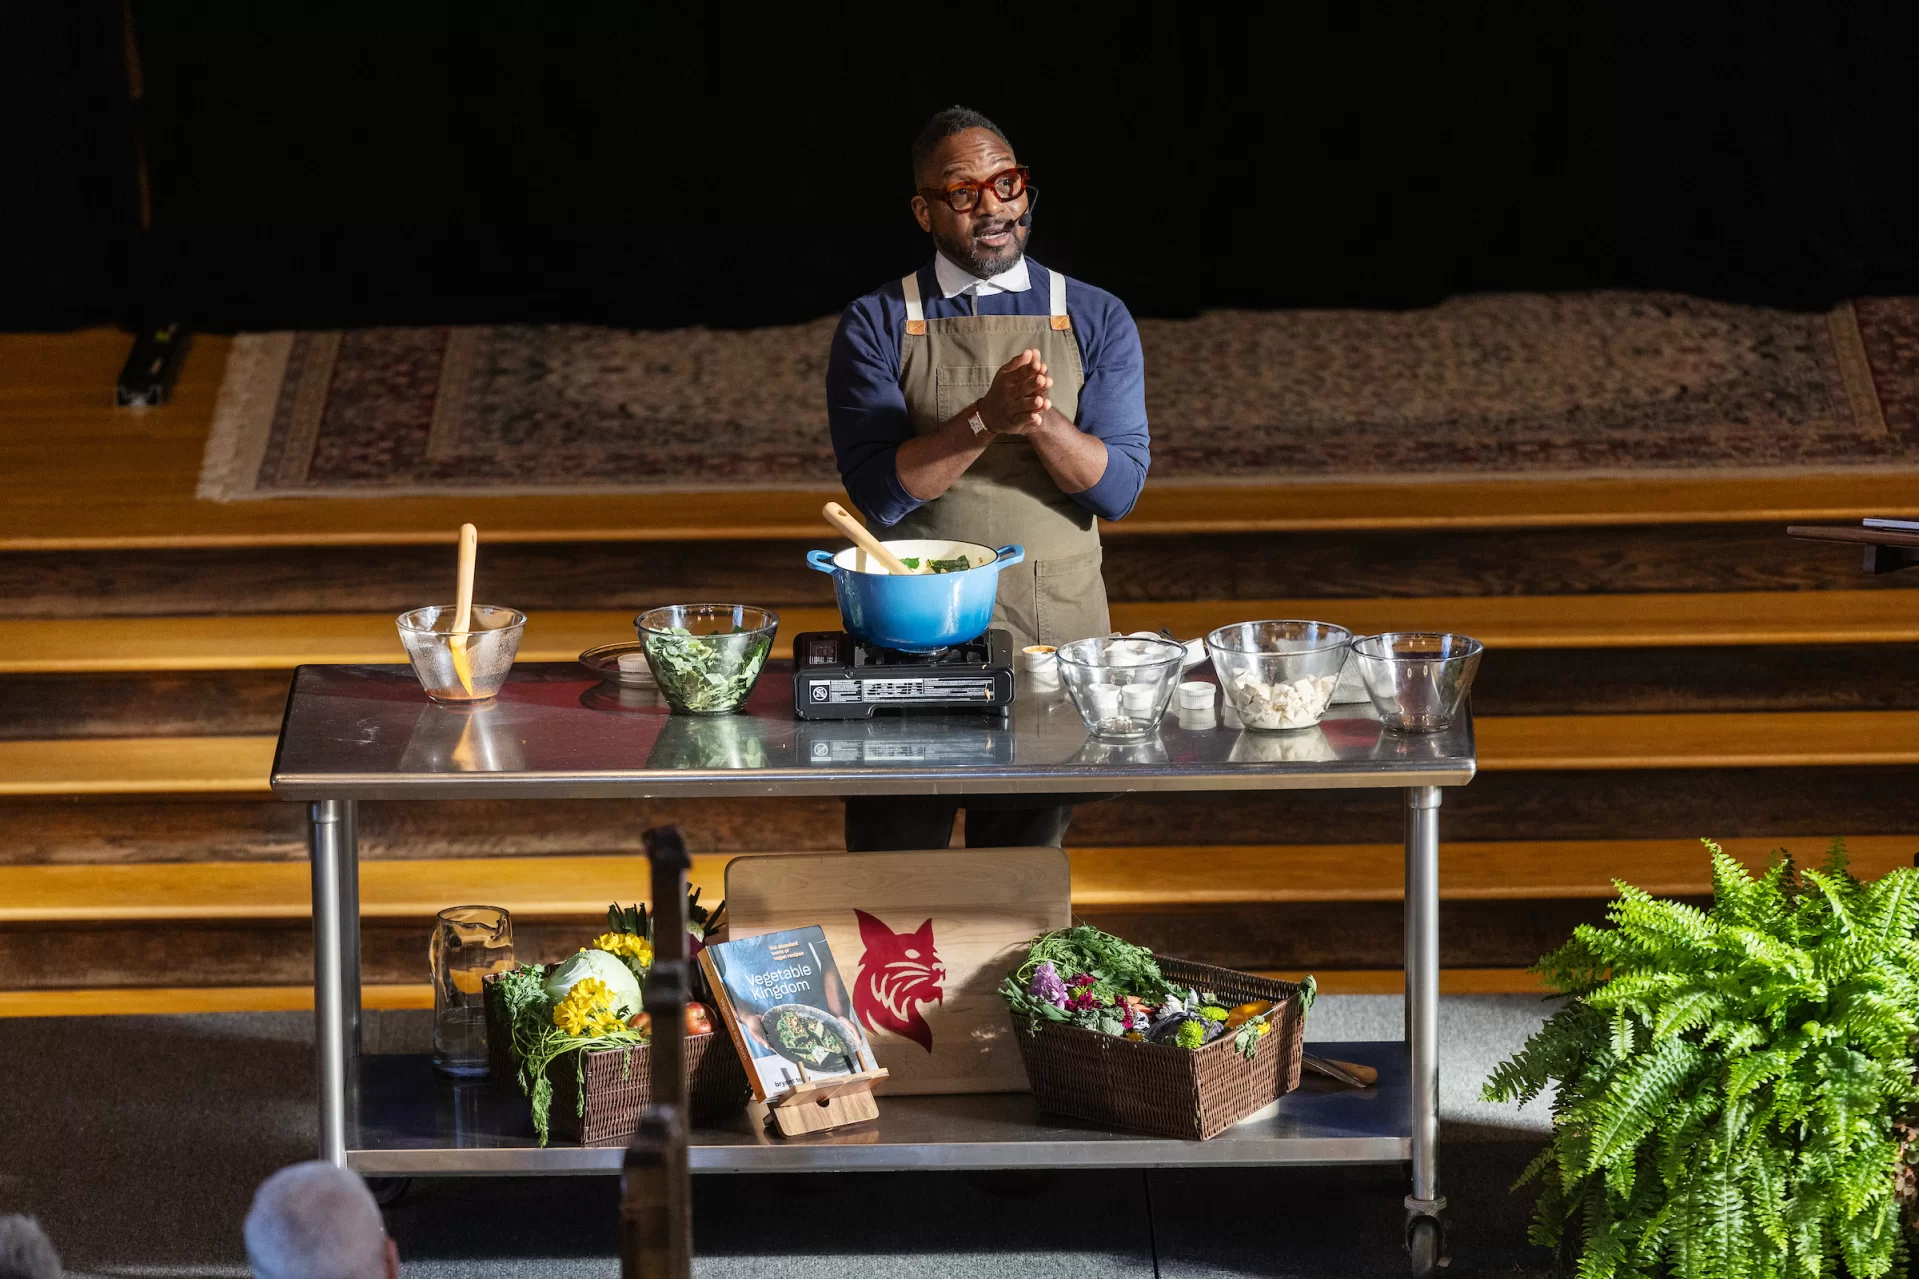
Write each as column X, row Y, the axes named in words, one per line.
column 1510, row 384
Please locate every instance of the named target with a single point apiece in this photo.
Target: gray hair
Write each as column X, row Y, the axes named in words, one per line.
column 25, row 1251
column 315, row 1221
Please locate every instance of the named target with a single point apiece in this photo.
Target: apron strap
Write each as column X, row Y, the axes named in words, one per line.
column 915, row 313
column 1057, row 307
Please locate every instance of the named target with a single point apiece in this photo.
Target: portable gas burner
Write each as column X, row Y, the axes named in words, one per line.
column 836, row 676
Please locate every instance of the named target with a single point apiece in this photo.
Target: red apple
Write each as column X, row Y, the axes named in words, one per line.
column 642, row 1022
column 698, row 1020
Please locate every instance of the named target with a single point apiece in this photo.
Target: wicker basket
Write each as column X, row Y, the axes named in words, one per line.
column 619, row 1081
column 1161, row 1088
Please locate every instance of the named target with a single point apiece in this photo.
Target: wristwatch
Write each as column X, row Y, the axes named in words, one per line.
column 977, row 422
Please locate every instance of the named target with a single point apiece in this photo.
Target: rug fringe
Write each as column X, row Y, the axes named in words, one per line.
column 243, row 416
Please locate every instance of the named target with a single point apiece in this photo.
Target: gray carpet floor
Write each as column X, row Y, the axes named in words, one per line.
column 138, row 1141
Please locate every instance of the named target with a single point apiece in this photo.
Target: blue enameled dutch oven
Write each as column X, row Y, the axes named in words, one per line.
column 923, row 613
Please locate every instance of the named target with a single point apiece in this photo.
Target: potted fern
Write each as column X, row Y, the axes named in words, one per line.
column 1731, row 1084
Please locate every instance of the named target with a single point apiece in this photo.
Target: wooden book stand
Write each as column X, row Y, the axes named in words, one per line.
column 832, row 1101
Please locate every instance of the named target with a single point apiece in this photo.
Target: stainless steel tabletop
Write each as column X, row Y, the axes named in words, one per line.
column 368, row 732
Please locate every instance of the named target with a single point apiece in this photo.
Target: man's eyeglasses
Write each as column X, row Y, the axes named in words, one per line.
column 963, row 197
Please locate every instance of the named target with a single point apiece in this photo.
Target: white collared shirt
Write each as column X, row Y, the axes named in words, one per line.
column 954, row 279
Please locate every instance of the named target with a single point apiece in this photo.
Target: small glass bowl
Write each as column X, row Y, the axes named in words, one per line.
column 490, row 645
column 1121, row 687
column 1279, row 676
column 1418, row 680
column 706, row 658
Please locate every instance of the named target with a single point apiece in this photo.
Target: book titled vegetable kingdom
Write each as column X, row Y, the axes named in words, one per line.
column 786, row 1007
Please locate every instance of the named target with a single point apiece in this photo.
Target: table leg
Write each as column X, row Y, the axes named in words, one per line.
column 1422, row 992
column 333, row 846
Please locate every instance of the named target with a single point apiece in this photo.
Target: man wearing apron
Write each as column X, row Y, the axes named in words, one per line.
column 984, row 398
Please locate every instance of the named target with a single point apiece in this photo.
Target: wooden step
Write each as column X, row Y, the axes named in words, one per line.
column 1103, row 878
column 137, row 1000
column 1816, row 739
column 136, row 765
column 75, row 472
column 1249, row 936
column 149, row 1000
column 283, row 641
column 546, row 886
column 1796, row 804
column 546, row 577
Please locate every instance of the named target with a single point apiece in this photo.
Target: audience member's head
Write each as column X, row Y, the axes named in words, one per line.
column 25, row 1252
column 316, row 1221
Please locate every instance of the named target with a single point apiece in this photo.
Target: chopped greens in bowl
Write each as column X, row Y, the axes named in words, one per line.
column 706, row 657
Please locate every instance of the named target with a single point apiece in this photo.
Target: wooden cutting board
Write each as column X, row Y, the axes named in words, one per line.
column 923, row 940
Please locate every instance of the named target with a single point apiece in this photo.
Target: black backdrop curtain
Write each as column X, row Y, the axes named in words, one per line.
column 659, row 165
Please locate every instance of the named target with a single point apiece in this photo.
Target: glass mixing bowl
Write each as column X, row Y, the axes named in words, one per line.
column 1279, row 675
column 706, row 657
column 491, row 642
column 1121, row 686
column 1418, row 680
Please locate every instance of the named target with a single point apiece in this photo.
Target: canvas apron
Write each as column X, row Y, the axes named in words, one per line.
column 1006, row 496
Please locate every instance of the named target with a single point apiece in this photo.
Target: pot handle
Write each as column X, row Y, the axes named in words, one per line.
column 822, row 561
column 1009, row 555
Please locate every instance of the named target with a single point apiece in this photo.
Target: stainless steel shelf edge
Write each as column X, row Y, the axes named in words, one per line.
column 1145, row 1153
column 409, row 1122
column 551, row 785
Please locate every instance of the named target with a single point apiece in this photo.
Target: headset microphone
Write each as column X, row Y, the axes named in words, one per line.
column 1032, row 199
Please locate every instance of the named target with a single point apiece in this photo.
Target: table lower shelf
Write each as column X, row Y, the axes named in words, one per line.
column 413, row 1123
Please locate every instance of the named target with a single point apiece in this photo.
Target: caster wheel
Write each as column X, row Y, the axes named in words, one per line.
column 1423, row 1239
column 388, row 1191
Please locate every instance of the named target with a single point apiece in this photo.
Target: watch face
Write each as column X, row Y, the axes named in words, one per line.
column 978, row 424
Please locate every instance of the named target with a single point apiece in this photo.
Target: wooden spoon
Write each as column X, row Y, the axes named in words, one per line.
column 463, row 608
column 837, row 516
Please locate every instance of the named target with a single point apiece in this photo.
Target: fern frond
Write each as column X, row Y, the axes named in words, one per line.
column 1636, row 1099
column 1725, row 1081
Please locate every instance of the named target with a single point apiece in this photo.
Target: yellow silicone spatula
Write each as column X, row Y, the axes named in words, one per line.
column 463, row 608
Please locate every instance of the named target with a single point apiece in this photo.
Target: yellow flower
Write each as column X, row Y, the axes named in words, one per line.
column 627, row 946
column 590, row 990
column 587, row 1008
column 570, row 1017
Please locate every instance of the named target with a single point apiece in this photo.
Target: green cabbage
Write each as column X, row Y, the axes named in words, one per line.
column 609, row 968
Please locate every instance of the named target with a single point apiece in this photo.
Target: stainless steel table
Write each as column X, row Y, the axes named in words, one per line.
column 367, row 732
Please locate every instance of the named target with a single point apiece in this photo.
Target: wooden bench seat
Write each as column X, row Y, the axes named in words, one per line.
column 139, row 1000
column 283, row 641
column 1103, row 878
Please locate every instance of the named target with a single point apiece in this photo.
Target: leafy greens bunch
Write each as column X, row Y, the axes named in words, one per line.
column 706, row 672
column 538, row 1043
column 1118, row 968
column 1728, row 1080
column 1102, row 983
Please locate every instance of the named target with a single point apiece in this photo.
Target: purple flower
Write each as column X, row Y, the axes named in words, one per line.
column 1047, row 986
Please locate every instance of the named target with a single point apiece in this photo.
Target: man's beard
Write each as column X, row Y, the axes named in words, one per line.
column 966, row 254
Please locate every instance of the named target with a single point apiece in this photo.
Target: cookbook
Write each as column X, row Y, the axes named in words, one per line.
column 787, row 1009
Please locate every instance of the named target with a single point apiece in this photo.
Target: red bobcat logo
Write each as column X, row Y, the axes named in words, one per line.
column 898, row 973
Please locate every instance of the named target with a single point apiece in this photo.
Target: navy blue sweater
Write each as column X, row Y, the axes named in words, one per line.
column 867, row 409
